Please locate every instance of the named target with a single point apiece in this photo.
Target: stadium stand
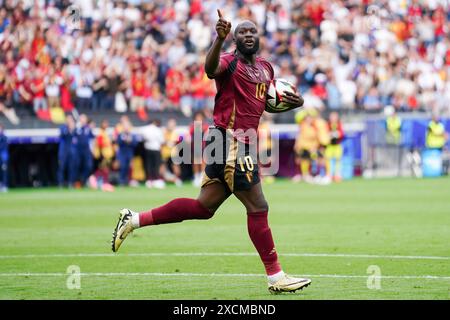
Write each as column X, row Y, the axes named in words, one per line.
column 144, row 58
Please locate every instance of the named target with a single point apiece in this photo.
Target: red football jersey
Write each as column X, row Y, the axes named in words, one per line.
column 241, row 92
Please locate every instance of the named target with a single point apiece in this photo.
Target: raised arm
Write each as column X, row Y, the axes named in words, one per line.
column 212, row 65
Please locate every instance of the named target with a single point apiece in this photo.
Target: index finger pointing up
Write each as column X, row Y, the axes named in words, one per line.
column 220, row 14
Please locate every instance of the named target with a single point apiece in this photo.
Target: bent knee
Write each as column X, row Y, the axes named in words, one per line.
column 260, row 206
column 266, row 207
column 263, row 207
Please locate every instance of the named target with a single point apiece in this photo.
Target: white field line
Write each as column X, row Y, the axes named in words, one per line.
column 218, row 254
column 181, row 274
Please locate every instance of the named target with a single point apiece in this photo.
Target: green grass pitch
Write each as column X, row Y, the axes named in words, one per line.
column 333, row 234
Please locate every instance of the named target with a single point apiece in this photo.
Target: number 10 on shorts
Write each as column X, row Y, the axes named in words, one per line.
column 246, row 163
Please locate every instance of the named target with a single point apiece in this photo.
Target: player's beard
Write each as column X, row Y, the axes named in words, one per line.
column 247, row 51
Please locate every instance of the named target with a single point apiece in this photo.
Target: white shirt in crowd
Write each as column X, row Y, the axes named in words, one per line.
column 153, row 137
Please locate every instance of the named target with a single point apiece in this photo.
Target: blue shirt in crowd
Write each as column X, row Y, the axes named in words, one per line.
column 67, row 139
column 3, row 142
column 85, row 135
column 127, row 142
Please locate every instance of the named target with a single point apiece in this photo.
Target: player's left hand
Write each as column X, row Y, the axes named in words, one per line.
column 293, row 99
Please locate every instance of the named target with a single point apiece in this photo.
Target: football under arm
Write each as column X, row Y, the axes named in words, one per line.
column 212, row 61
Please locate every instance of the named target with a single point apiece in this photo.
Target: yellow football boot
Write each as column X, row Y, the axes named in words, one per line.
column 123, row 228
column 288, row 284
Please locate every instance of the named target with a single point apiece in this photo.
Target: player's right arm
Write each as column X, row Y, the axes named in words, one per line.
column 212, row 62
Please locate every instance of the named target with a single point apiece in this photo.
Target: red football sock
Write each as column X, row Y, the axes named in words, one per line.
column 176, row 210
column 259, row 231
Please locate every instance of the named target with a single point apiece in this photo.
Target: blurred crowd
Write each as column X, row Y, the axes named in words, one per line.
column 147, row 55
column 322, row 150
column 318, row 147
column 108, row 156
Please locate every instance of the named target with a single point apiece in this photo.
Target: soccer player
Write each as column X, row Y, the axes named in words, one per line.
column 242, row 79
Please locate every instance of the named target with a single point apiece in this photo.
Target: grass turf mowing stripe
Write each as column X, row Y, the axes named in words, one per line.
column 181, row 274
column 233, row 254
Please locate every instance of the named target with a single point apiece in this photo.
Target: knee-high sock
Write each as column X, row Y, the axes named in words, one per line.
column 261, row 236
column 176, row 210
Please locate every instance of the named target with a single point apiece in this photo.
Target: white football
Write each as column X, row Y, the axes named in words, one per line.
column 274, row 102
